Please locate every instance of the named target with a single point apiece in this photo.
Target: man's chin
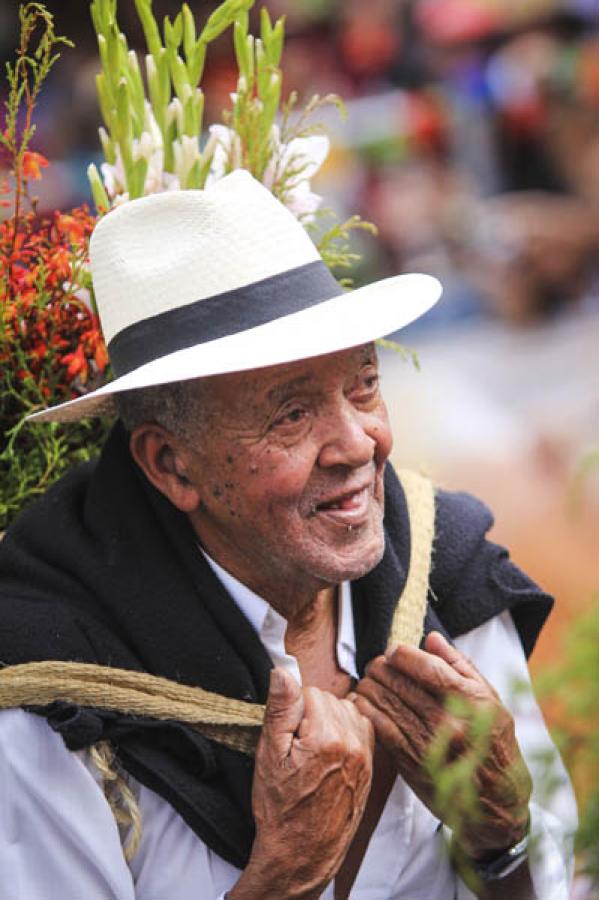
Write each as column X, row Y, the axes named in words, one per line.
column 350, row 566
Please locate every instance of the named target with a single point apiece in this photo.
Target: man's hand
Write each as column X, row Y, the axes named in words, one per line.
column 311, row 784
column 405, row 694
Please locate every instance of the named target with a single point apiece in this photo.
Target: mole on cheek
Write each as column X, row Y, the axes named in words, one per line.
column 230, row 460
column 217, row 491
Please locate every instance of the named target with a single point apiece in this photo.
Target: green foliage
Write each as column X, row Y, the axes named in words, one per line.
column 35, row 259
column 455, row 796
column 257, row 96
column 569, row 691
column 27, row 74
column 334, row 244
column 34, row 456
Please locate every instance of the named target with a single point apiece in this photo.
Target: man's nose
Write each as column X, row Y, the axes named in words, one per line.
column 346, row 440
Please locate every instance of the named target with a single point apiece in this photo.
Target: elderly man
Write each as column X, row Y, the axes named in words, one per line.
column 243, row 533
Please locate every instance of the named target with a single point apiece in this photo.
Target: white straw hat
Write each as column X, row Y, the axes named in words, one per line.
column 197, row 283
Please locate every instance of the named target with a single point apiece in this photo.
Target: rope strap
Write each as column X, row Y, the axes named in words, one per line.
column 408, row 619
column 233, row 722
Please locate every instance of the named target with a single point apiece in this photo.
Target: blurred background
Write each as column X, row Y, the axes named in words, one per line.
column 472, row 142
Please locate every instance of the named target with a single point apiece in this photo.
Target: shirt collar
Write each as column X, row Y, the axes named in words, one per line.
column 270, row 626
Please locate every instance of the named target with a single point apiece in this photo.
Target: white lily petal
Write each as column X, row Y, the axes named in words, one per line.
column 303, row 203
column 309, row 153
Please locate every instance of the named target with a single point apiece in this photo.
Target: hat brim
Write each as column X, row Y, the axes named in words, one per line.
column 355, row 318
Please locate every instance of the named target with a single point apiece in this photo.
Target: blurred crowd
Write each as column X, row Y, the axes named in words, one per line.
column 472, row 137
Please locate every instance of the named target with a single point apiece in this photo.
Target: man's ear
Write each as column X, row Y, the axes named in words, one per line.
column 158, row 454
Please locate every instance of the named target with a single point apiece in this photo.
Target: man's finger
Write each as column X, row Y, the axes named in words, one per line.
column 386, row 731
column 435, row 643
column 426, row 669
column 284, row 711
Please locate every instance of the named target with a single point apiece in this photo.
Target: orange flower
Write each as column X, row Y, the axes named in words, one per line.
column 77, row 364
column 33, row 163
column 101, row 355
column 70, row 226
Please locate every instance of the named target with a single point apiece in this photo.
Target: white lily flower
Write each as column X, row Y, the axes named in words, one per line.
column 120, row 199
column 303, row 202
column 142, row 147
column 151, row 125
column 301, row 158
column 174, row 113
column 170, row 182
column 187, row 151
column 113, row 176
column 225, row 146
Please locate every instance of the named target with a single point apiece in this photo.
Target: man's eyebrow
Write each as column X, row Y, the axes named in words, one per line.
column 287, row 387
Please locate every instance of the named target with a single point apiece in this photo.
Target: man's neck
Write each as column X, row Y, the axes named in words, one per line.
column 311, row 638
column 307, row 624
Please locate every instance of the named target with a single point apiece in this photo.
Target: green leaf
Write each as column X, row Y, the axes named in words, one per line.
column 263, row 71
column 243, row 53
column 104, row 98
column 272, row 99
column 265, row 25
column 179, row 74
column 149, row 25
column 173, row 35
column 275, row 44
column 138, row 177
column 178, row 29
column 195, row 64
column 222, row 17
column 193, row 179
column 162, row 67
column 136, row 88
column 107, row 147
column 189, row 32
column 98, row 191
column 190, row 116
column 155, row 92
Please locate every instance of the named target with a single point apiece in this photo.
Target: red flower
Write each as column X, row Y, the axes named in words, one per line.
column 76, row 364
column 33, row 163
column 71, row 227
column 101, row 355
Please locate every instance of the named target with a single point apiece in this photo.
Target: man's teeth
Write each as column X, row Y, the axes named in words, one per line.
column 344, row 502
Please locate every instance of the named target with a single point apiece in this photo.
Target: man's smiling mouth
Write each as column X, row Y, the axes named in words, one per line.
column 351, row 508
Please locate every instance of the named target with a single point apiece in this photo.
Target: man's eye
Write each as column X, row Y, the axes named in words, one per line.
column 290, row 416
column 366, row 385
column 371, row 382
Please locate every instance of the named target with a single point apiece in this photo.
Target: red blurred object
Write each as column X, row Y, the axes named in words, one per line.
column 426, row 121
column 368, row 47
column 457, row 21
column 525, row 117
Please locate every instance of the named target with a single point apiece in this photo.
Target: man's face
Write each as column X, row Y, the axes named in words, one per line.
column 289, row 469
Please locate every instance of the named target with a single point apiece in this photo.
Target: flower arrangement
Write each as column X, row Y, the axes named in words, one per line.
column 51, row 347
column 152, row 140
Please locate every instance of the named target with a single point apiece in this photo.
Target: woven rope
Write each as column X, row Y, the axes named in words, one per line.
column 120, row 797
column 408, row 619
column 233, row 722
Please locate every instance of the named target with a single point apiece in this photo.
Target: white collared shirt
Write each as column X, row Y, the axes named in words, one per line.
column 59, row 839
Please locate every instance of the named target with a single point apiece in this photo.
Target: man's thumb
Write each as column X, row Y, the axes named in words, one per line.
column 284, row 709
